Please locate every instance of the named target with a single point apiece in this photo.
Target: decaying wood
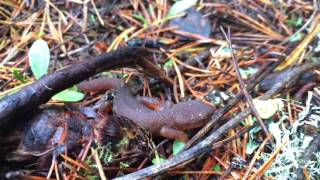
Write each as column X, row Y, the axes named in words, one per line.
column 15, row 107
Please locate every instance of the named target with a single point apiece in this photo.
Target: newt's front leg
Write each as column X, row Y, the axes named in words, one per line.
column 171, row 133
column 154, row 103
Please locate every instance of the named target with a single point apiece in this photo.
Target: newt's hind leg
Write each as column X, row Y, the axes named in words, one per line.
column 171, row 133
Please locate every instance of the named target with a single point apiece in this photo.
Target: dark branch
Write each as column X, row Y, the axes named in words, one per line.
column 15, row 107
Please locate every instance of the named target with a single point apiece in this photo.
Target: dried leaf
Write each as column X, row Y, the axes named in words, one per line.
column 267, row 108
column 180, row 6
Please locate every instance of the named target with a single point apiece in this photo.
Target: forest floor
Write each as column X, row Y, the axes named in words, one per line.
column 256, row 63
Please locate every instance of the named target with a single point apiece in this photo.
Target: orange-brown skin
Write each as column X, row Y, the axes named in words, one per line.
column 170, row 122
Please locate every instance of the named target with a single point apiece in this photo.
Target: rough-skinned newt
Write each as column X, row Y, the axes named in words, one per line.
column 170, row 122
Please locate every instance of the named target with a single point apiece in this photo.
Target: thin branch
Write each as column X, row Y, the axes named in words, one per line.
column 243, row 86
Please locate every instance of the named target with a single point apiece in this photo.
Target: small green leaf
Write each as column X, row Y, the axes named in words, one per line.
column 180, row 6
column 124, row 165
column 251, row 146
column 68, row 95
column 142, row 19
column 123, row 143
column 296, row 37
column 39, row 58
column 18, row 76
column 245, row 73
column 93, row 18
column 41, row 34
column 158, row 160
column 217, row 168
column 295, row 22
column 168, row 64
column 177, row 147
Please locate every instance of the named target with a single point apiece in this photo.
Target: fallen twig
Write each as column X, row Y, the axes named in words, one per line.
column 243, row 86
